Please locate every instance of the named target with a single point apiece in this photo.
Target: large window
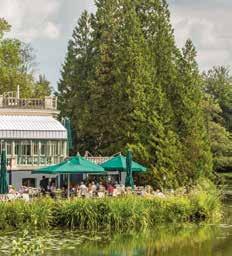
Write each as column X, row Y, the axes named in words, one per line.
column 35, row 152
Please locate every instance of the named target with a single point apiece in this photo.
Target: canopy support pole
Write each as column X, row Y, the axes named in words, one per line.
column 68, row 194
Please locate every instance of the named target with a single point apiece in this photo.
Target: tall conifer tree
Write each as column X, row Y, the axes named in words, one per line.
column 103, row 99
column 189, row 116
column 73, row 85
column 155, row 21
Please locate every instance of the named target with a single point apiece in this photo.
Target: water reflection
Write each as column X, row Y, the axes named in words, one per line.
column 190, row 239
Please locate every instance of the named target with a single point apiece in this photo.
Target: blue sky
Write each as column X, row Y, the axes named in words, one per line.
column 48, row 25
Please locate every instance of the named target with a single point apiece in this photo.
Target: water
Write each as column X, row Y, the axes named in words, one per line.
column 174, row 240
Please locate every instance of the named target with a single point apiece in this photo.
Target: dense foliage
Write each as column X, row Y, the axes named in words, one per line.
column 16, row 67
column 128, row 212
column 124, row 83
column 218, row 109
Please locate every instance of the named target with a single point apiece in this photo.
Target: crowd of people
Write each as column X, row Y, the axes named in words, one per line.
column 95, row 189
column 22, row 193
column 87, row 189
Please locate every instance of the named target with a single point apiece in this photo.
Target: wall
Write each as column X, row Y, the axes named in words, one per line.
column 17, row 177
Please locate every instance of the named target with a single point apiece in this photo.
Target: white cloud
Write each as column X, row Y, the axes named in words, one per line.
column 208, row 23
column 199, row 30
column 209, row 27
column 31, row 19
column 51, row 31
column 213, row 57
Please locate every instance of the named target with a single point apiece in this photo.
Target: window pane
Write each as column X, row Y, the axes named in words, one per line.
column 36, row 148
column 26, row 148
column 8, row 148
column 43, row 148
column 17, row 148
column 48, row 148
column 28, row 182
column 56, row 148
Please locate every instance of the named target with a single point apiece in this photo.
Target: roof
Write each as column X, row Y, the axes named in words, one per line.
column 119, row 163
column 72, row 165
column 31, row 127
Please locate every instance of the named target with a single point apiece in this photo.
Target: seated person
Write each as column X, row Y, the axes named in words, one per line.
column 52, row 190
column 101, row 190
column 110, row 189
column 12, row 190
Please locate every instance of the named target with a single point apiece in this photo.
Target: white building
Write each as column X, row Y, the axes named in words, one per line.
column 31, row 135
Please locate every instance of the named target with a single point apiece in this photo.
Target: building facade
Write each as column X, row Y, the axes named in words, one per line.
column 31, row 135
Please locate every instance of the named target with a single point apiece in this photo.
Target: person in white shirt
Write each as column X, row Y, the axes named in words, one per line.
column 94, row 189
column 83, row 189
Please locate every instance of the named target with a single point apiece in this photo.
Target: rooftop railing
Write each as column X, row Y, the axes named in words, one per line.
column 98, row 159
column 49, row 102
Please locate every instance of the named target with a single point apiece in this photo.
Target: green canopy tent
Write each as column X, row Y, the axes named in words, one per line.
column 3, row 174
column 129, row 178
column 72, row 165
column 119, row 163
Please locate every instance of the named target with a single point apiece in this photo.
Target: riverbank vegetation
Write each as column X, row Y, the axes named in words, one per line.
column 124, row 213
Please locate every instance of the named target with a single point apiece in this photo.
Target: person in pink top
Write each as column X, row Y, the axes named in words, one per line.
column 110, row 189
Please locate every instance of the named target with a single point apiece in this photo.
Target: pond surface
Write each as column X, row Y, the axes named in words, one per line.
column 189, row 239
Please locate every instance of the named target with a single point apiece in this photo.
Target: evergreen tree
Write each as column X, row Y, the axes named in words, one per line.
column 155, row 22
column 73, row 85
column 123, row 76
column 125, row 84
column 189, row 115
column 102, row 100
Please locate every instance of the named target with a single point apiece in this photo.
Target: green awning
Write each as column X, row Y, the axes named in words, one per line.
column 72, row 165
column 119, row 163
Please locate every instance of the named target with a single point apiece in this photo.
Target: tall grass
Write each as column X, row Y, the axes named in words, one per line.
column 129, row 212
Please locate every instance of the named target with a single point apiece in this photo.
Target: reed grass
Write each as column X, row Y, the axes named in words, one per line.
column 123, row 213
